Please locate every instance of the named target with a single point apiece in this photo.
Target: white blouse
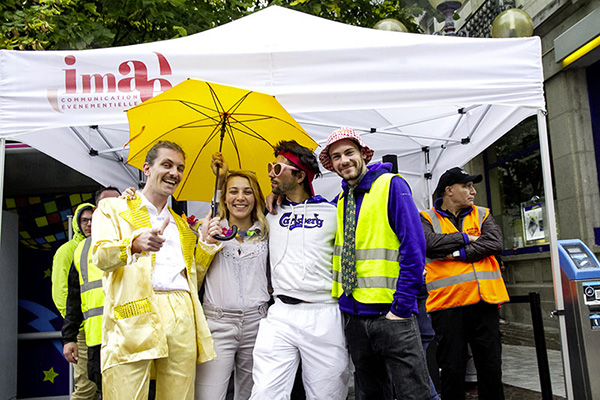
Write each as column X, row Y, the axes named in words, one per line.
column 237, row 277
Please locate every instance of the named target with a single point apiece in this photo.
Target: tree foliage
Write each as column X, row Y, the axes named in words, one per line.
column 81, row 24
column 360, row 12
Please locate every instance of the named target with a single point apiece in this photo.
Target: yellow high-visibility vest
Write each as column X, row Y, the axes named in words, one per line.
column 92, row 296
column 377, row 256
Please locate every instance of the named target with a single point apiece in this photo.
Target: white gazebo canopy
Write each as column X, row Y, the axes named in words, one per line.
column 433, row 101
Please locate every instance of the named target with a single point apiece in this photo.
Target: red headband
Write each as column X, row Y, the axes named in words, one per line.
column 309, row 174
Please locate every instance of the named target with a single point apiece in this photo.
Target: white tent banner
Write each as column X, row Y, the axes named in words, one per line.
column 434, row 101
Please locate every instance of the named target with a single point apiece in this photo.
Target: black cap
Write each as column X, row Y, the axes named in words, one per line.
column 452, row 176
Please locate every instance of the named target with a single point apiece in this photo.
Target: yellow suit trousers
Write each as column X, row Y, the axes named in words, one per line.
column 176, row 373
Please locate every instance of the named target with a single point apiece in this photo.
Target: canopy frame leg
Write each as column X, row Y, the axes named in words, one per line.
column 2, row 163
column 553, row 237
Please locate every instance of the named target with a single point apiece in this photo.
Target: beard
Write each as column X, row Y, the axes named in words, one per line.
column 354, row 176
column 359, row 170
column 282, row 188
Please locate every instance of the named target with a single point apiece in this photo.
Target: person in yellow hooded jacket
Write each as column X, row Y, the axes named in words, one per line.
column 63, row 258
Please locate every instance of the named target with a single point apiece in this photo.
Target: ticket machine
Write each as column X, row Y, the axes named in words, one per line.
column 580, row 275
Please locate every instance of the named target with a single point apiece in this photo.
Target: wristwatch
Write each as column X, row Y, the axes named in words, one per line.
column 456, row 254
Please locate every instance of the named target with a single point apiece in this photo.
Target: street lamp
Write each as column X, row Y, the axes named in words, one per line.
column 512, row 23
column 447, row 8
column 390, row 24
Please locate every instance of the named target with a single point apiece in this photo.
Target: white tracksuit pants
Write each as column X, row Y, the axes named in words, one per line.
column 311, row 332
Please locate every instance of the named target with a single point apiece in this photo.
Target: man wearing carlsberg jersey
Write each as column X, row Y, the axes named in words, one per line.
column 305, row 322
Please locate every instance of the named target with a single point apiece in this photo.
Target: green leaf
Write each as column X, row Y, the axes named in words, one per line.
column 180, row 31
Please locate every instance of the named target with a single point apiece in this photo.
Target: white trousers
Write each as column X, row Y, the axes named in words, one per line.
column 311, row 332
column 234, row 333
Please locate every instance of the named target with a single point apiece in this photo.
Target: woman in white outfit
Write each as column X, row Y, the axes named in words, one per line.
column 236, row 287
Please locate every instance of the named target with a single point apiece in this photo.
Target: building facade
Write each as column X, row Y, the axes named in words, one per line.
column 513, row 187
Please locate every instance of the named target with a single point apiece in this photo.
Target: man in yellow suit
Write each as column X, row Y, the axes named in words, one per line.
column 153, row 319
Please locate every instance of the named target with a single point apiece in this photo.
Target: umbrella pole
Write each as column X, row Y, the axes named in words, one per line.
column 214, row 202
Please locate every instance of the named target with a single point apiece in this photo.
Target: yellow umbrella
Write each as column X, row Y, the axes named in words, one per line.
column 205, row 117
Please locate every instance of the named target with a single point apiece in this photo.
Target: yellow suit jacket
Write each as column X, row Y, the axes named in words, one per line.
column 132, row 329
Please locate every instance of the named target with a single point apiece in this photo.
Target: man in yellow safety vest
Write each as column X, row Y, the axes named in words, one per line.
column 378, row 265
column 84, row 388
column 84, row 307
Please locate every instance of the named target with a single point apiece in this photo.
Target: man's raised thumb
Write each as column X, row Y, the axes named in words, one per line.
column 164, row 225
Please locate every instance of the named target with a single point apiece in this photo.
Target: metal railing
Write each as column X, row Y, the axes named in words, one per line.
column 533, row 298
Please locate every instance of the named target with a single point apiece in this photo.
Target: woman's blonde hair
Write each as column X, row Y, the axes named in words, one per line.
column 258, row 212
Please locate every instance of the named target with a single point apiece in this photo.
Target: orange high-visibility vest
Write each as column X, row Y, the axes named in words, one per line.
column 455, row 283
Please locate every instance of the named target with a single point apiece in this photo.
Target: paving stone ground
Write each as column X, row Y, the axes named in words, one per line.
column 520, row 371
column 512, row 393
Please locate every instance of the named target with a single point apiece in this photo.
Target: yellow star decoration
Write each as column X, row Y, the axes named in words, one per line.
column 50, row 375
column 48, row 273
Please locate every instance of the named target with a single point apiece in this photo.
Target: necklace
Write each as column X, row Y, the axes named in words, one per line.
column 249, row 233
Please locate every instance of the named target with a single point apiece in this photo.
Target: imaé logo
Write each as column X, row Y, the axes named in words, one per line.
column 122, row 89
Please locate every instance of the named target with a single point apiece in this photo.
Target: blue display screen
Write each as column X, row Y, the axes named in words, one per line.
column 580, row 257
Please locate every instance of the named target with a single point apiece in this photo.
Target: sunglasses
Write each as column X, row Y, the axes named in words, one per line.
column 278, row 168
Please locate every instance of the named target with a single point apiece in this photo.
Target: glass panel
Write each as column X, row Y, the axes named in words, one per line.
column 514, row 176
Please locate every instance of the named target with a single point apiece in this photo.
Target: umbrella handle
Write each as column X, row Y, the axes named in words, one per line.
column 234, row 230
